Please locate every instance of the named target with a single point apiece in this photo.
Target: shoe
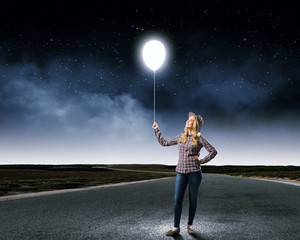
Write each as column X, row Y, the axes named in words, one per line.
column 190, row 230
column 173, row 232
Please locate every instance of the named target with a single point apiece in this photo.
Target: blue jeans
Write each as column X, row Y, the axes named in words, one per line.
column 181, row 181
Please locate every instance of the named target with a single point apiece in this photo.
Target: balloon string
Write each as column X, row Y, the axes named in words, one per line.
column 154, row 94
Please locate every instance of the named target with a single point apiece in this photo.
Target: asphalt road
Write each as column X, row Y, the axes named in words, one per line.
column 228, row 208
column 133, row 170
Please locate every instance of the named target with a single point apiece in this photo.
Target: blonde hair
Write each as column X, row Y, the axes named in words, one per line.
column 194, row 133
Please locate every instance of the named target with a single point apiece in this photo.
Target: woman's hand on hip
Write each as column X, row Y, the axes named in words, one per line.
column 154, row 126
column 197, row 158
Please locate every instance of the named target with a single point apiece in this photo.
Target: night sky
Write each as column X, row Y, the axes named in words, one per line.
column 74, row 89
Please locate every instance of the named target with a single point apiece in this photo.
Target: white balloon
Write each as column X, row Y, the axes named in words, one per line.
column 154, row 54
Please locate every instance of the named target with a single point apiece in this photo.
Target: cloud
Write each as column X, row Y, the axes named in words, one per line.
column 232, row 95
column 65, row 100
column 52, row 114
column 45, row 123
column 231, row 89
column 33, row 105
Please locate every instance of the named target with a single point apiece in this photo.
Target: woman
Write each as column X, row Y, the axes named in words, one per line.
column 188, row 167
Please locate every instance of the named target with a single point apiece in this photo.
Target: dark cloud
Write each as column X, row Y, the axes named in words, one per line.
column 29, row 90
column 221, row 89
column 33, row 105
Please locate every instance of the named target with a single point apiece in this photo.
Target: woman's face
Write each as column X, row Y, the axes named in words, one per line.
column 190, row 122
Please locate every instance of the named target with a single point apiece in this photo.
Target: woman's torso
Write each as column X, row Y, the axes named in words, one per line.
column 186, row 162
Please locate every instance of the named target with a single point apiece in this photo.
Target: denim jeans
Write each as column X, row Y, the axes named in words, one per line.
column 181, row 181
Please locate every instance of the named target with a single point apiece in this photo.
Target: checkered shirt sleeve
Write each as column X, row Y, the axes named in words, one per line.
column 212, row 152
column 164, row 142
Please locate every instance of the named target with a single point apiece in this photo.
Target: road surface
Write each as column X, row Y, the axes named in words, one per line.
column 228, row 208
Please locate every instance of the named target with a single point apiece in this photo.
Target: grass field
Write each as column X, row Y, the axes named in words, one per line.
column 16, row 179
column 272, row 172
column 36, row 178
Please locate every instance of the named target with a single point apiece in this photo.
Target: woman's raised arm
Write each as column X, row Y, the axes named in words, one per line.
column 160, row 138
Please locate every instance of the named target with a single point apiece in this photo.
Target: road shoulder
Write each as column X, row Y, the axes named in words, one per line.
column 44, row 193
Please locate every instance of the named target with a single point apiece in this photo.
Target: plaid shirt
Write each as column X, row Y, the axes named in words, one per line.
column 186, row 162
